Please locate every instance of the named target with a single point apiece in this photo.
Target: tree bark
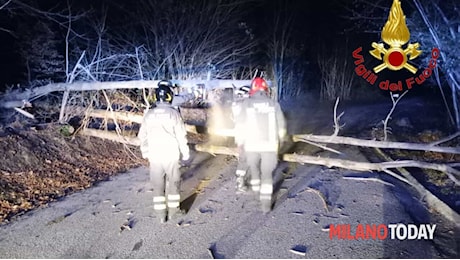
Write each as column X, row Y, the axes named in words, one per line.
column 215, row 149
column 65, row 97
column 125, row 116
column 112, row 136
column 130, row 117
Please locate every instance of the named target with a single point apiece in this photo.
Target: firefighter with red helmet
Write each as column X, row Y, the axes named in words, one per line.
column 163, row 140
column 259, row 128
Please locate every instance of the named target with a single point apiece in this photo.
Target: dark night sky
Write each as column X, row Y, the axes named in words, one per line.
column 315, row 20
column 319, row 23
column 9, row 70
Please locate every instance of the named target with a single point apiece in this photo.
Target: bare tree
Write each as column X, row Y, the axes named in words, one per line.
column 281, row 49
column 155, row 39
column 336, row 79
column 39, row 45
column 189, row 39
column 39, row 32
column 394, row 101
column 439, row 26
column 4, row 4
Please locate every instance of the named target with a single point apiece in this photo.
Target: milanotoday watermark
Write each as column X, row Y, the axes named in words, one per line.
column 382, row 231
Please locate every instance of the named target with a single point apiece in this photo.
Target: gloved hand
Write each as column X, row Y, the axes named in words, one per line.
column 185, row 156
column 186, row 160
column 144, row 149
column 285, row 144
column 145, row 153
column 282, row 133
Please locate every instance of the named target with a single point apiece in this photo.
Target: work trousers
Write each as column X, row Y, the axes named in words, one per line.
column 241, row 169
column 166, row 178
column 261, row 166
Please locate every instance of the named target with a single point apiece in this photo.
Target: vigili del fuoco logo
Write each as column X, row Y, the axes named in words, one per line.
column 395, row 56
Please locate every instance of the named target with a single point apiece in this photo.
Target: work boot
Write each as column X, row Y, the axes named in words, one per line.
column 240, row 185
column 161, row 216
column 266, row 206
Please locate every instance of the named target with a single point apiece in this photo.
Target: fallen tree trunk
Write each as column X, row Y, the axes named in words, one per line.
column 15, row 98
column 215, row 149
column 375, row 144
column 128, row 116
column 224, row 132
column 352, row 165
column 118, row 115
column 112, row 136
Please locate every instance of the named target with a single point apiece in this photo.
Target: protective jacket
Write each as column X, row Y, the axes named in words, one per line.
column 260, row 125
column 162, row 134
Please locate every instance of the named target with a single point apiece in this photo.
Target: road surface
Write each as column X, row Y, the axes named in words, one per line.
column 115, row 219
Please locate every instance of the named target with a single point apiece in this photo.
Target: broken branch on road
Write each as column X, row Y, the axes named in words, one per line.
column 366, row 166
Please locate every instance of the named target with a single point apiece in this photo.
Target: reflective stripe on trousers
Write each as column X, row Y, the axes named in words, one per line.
column 159, row 203
column 255, row 184
column 165, row 177
column 266, row 191
column 173, row 200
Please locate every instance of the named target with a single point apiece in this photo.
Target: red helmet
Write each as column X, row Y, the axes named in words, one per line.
column 258, row 84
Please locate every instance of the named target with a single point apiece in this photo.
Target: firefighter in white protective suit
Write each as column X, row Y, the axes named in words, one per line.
column 163, row 142
column 259, row 128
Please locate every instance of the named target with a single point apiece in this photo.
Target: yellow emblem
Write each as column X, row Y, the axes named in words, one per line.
column 395, row 33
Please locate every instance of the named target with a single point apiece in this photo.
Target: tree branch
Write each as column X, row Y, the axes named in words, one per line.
column 5, row 4
column 372, row 143
column 395, row 102
column 367, row 166
column 446, row 139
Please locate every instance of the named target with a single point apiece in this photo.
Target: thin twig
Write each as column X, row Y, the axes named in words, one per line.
column 5, row 4
column 25, row 113
column 322, row 197
column 448, row 138
column 211, row 251
column 391, row 173
column 322, row 146
column 337, row 125
column 211, row 254
column 368, row 179
column 385, row 123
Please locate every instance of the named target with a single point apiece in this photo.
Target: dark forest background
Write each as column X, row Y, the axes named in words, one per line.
column 303, row 46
